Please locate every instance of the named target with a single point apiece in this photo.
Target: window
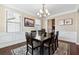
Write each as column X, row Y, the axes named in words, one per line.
column 38, row 24
column 13, row 21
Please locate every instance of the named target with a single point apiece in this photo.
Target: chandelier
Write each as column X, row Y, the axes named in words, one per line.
column 43, row 12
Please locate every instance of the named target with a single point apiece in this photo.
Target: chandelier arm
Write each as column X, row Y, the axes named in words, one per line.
column 44, row 11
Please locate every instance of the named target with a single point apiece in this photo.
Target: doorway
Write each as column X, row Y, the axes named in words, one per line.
column 51, row 25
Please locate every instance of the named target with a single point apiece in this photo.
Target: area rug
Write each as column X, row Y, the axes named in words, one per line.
column 63, row 49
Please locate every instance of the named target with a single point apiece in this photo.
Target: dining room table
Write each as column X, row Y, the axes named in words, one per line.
column 42, row 39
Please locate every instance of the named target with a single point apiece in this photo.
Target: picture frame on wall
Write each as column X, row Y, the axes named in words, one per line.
column 28, row 22
column 68, row 21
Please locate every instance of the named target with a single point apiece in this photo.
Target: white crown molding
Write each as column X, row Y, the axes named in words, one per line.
column 18, row 10
column 62, row 13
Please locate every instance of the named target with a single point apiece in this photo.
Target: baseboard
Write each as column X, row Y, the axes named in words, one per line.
column 6, row 44
column 77, row 43
column 67, row 41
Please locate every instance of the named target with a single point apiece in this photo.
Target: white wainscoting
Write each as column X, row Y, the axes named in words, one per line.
column 7, row 39
column 68, row 36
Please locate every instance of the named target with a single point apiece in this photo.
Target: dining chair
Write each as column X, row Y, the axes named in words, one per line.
column 31, row 44
column 43, row 32
column 39, row 32
column 54, row 36
column 56, row 39
column 33, row 33
column 49, row 44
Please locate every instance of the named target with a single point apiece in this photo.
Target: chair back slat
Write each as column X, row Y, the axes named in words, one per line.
column 28, row 38
column 33, row 34
column 57, row 33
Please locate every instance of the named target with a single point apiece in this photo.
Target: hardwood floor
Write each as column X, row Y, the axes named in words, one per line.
column 7, row 50
column 73, row 49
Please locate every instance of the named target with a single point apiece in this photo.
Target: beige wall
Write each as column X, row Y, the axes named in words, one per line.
column 49, row 26
column 78, row 27
column 67, row 32
column 25, row 29
column 43, row 23
column 70, row 28
column 3, row 19
column 12, row 38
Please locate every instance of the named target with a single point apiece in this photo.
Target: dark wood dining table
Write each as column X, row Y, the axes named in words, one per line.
column 41, row 39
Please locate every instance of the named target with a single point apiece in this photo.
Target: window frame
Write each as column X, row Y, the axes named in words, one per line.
column 20, row 24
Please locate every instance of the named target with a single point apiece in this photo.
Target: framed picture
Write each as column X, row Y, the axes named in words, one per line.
column 68, row 21
column 28, row 22
column 61, row 22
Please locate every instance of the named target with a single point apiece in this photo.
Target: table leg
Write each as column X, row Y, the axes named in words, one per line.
column 41, row 49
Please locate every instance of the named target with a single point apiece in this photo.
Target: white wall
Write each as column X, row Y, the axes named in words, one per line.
column 68, row 36
column 7, row 39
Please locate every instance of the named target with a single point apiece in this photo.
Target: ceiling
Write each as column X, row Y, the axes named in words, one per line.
column 32, row 9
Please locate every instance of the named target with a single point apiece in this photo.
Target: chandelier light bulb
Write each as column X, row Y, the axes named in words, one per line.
column 46, row 10
column 38, row 14
column 48, row 13
column 41, row 11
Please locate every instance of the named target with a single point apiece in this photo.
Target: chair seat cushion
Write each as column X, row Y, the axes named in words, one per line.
column 47, row 45
column 35, row 44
